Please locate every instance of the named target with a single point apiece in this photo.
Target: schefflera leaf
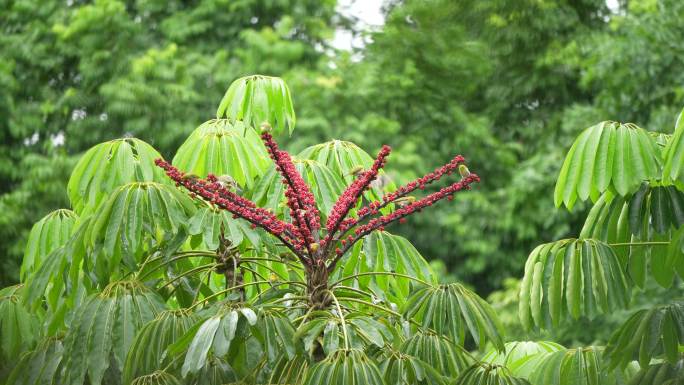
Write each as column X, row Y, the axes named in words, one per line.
column 580, row 366
column 571, row 276
column 136, row 216
column 157, row 378
column 383, row 252
column 109, row 165
column 206, row 226
column 103, row 329
column 19, row 327
column 346, row 158
column 653, row 220
column 521, row 357
column 48, row 234
column 647, row 334
column 325, row 185
column 451, row 310
column 148, row 350
column 345, row 367
column 482, row 373
column 674, row 153
column 663, row 373
column 446, row 357
column 258, row 99
column 607, row 156
column 40, row 366
column 403, row 369
column 220, row 147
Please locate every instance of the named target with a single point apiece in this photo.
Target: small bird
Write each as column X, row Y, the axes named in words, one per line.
column 405, row 201
column 227, row 181
column 356, row 171
column 463, row 170
column 265, row 127
column 381, row 182
column 314, row 247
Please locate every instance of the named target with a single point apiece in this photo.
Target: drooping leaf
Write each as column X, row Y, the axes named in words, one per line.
column 40, row 366
column 156, row 378
column 581, row 366
column 571, row 276
column 481, row 373
column 19, row 327
column 607, row 156
column 452, row 310
column 257, row 99
column 206, row 225
column 49, row 233
column 345, row 367
column 648, row 334
column 106, row 166
column 103, row 329
column 521, row 357
column 403, row 369
column 674, row 153
column 663, row 373
column 222, row 148
column 448, row 358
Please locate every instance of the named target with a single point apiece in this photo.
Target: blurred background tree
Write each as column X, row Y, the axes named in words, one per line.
column 501, row 82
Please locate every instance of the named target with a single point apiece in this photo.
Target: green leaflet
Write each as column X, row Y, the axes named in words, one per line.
column 481, row 373
column 674, row 153
column 259, row 99
column 39, row 366
column 451, row 310
column 607, row 156
column 581, row 366
column 103, row 329
column 222, row 148
column 444, row 356
column 156, row 378
column 148, row 350
column 653, row 219
column 109, row 165
column 136, row 217
column 664, row 373
column 19, row 327
column 648, row 333
column 49, row 233
column 573, row 276
column 345, row 367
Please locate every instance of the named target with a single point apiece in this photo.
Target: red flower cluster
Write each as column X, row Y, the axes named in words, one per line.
column 303, row 236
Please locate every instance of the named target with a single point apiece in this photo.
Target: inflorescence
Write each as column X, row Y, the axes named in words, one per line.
column 312, row 244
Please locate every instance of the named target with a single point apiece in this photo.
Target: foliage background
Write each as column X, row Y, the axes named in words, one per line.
column 508, row 84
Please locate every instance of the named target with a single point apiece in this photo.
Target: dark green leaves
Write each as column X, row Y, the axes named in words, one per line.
column 39, row 366
column 581, row 366
column 156, row 378
column 481, row 373
column 607, row 156
column 345, row 367
column 109, row 165
column 51, row 232
column 572, row 276
column 451, row 310
column 223, row 148
column 259, row 99
column 663, row 373
column 19, row 328
column 648, row 334
column 443, row 355
column 103, row 329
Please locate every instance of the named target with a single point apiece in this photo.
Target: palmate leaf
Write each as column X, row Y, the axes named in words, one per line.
column 607, row 156
column 482, row 373
column 109, row 165
column 19, row 327
column 345, row 367
column 157, row 378
column 403, row 369
column 223, row 148
column 571, row 276
column 521, row 357
column 148, row 351
column 257, row 99
column 664, row 373
column 325, row 185
column 216, row 335
column 647, row 334
column 382, row 252
column 40, row 366
column 651, row 214
column 289, row 370
column 344, row 158
column 581, row 366
column 206, row 225
column 451, row 310
column 136, row 217
column 674, row 153
column 103, row 329
column 446, row 357
column 49, row 233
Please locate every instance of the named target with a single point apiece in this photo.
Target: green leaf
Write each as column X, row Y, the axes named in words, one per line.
column 345, row 367
column 444, row 356
column 258, row 99
column 481, row 373
column 581, row 366
column 49, row 233
column 674, row 153
column 39, row 366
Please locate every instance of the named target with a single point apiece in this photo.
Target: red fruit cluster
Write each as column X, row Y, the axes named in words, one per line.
column 303, row 235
